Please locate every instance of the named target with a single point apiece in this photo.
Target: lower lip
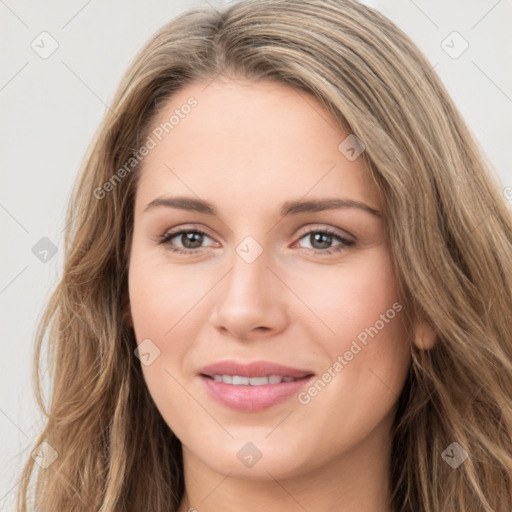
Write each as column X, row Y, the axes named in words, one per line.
column 253, row 398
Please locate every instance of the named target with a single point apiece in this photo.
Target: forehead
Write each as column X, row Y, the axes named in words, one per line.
column 245, row 140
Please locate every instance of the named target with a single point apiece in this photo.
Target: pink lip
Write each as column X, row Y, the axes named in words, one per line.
column 252, row 398
column 253, row 369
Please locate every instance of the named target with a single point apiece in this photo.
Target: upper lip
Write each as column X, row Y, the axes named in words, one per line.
column 253, row 369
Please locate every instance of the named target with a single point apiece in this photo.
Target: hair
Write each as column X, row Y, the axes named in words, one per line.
column 450, row 237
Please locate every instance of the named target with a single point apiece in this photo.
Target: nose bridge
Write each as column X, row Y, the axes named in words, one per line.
column 248, row 298
column 248, row 278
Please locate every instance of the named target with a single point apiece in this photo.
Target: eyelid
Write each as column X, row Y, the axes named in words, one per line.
column 303, row 231
column 180, row 229
column 187, row 227
column 321, row 227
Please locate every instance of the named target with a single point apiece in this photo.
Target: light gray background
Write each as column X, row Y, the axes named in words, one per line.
column 51, row 108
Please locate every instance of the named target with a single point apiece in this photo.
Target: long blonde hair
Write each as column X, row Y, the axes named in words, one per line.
column 450, row 235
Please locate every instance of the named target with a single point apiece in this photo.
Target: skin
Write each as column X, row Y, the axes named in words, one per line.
column 247, row 148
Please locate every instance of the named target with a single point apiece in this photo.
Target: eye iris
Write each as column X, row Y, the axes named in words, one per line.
column 186, row 237
column 325, row 244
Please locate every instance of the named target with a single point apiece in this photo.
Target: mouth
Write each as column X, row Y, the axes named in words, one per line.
column 241, row 380
column 252, row 387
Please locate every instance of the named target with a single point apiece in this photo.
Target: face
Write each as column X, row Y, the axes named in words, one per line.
column 262, row 279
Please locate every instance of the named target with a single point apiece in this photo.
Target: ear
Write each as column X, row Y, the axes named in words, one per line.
column 424, row 335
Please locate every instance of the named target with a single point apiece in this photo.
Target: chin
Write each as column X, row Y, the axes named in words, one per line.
column 258, row 460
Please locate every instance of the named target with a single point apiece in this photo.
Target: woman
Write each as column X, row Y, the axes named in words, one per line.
column 287, row 282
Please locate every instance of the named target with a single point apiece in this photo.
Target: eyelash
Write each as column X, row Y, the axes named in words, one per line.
column 166, row 238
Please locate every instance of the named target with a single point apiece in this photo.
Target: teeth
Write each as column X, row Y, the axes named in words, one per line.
column 238, row 380
column 258, row 381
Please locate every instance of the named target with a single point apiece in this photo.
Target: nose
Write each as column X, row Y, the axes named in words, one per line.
column 251, row 300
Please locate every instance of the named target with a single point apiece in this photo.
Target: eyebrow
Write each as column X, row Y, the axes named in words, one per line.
column 288, row 208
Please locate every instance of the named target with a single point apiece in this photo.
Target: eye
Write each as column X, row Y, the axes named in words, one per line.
column 192, row 240
column 321, row 239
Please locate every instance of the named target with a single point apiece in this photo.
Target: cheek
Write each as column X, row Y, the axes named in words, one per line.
column 351, row 296
column 363, row 328
column 159, row 297
column 369, row 352
column 158, row 300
